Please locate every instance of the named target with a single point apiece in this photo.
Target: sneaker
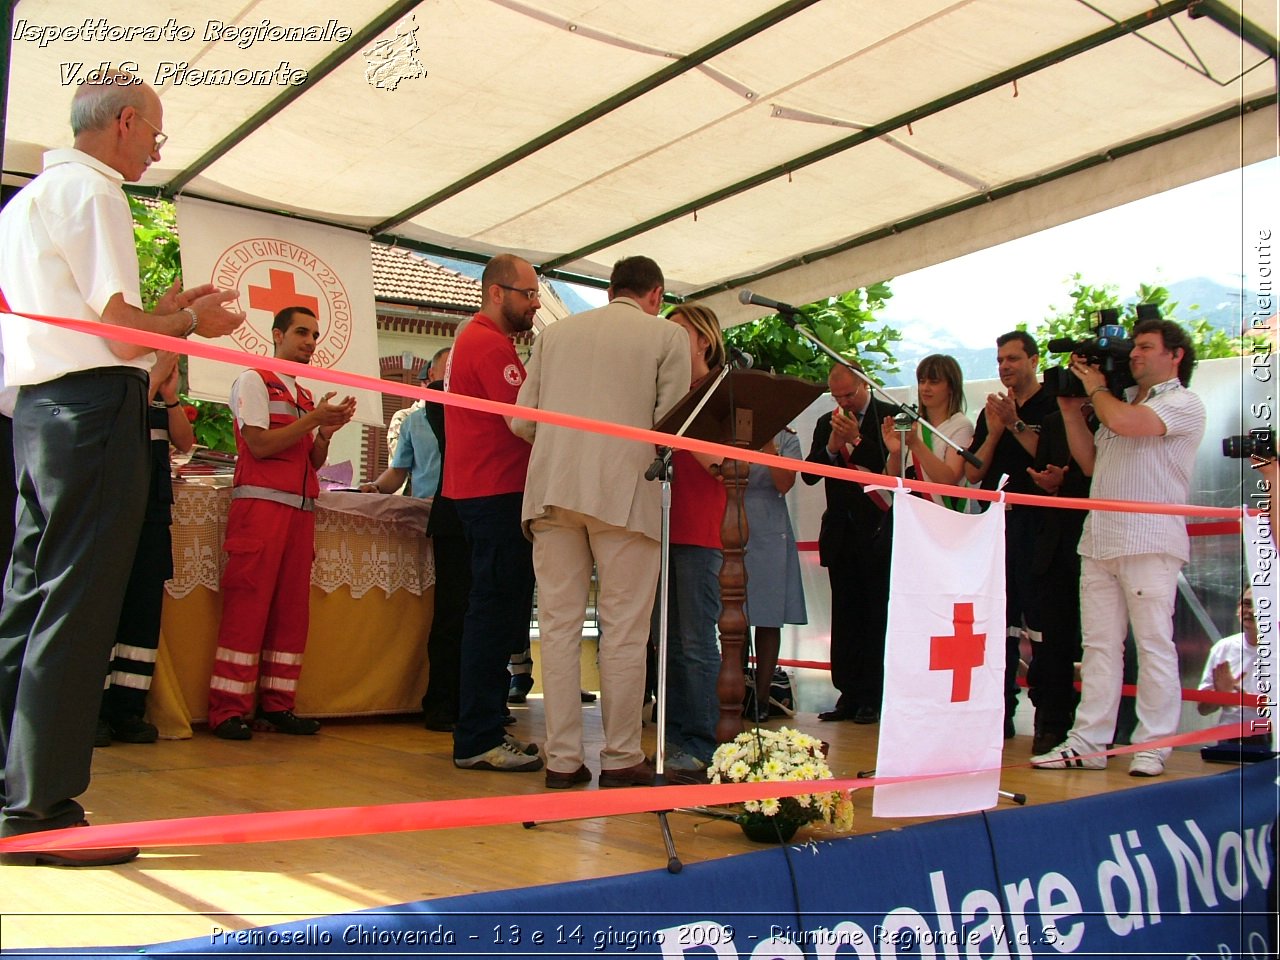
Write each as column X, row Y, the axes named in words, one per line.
column 285, row 721
column 678, row 760
column 102, row 734
column 503, row 758
column 1066, row 757
column 1146, row 763
column 233, row 728
column 133, row 730
column 528, row 749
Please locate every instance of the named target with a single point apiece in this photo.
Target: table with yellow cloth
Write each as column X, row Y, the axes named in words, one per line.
column 372, row 592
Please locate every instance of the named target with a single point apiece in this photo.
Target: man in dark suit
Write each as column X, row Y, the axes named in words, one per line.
column 854, row 546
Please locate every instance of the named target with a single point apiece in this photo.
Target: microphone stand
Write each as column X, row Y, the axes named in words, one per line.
column 902, row 409
column 661, row 470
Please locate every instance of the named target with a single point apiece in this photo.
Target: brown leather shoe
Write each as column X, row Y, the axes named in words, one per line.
column 563, row 781
column 106, row 857
column 639, row 775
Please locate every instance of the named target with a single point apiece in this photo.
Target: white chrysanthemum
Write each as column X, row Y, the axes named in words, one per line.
column 738, row 771
column 769, row 807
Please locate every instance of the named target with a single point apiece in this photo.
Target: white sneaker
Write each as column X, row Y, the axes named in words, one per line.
column 504, row 758
column 1146, row 763
column 1066, row 757
column 528, row 749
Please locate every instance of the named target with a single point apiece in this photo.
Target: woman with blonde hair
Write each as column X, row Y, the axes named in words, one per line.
column 940, row 388
column 693, row 597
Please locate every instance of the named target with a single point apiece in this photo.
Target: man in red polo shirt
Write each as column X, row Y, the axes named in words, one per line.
column 484, row 475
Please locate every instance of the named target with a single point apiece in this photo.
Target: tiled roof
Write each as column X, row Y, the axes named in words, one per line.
column 400, row 274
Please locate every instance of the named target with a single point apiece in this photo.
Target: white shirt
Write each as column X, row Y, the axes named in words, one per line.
column 66, row 248
column 1153, row 469
column 249, row 402
column 958, row 428
column 1243, row 657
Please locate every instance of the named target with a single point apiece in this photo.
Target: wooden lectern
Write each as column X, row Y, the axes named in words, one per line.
column 747, row 410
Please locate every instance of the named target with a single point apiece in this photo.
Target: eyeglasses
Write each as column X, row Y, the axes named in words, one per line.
column 530, row 293
column 161, row 137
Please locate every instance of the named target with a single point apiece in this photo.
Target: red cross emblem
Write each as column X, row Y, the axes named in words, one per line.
column 960, row 652
column 282, row 293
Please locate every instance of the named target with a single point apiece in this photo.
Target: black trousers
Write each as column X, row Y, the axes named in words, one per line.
column 859, row 616
column 444, row 643
column 80, row 448
column 497, row 620
column 133, row 660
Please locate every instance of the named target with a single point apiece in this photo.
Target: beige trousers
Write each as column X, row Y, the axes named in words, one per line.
column 565, row 544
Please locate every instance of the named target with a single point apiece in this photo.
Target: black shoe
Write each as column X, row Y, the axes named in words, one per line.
column 284, row 721
column 756, row 712
column 521, row 684
column 509, row 720
column 102, row 734
column 866, row 715
column 588, row 696
column 439, row 724
column 1010, row 731
column 133, row 730
column 836, row 714
column 107, row 857
column 233, row 728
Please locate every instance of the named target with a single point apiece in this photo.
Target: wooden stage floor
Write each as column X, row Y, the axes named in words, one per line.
column 176, row 893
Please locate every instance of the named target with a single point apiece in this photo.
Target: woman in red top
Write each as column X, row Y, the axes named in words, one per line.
column 697, row 506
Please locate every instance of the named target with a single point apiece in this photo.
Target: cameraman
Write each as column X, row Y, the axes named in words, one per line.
column 1143, row 450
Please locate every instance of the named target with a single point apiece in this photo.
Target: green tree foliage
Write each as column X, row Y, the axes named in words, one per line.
column 846, row 324
column 155, row 234
column 1078, row 319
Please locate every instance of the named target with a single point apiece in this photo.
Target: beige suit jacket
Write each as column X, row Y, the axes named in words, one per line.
column 618, row 364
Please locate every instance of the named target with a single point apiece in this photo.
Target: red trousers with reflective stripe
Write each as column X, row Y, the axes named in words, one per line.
column 266, row 589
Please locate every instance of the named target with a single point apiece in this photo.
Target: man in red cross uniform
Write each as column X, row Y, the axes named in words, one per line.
column 282, row 437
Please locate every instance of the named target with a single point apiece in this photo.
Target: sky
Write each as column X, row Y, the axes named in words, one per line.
column 1203, row 229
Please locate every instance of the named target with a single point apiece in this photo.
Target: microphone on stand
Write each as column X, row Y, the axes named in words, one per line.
column 741, row 359
column 746, row 296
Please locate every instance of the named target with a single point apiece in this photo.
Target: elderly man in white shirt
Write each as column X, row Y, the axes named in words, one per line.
column 80, row 448
column 1143, row 450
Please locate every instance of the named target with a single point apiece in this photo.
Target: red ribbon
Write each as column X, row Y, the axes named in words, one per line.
column 331, row 822
column 158, row 341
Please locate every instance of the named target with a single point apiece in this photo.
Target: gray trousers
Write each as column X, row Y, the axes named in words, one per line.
column 81, row 459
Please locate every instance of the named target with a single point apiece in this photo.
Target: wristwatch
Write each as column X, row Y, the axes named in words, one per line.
column 1019, row 426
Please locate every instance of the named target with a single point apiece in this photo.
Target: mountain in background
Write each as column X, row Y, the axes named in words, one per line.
column 1195, row 297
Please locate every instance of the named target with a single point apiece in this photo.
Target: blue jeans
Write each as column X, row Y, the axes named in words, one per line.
column 693, row 653
column 497, row 620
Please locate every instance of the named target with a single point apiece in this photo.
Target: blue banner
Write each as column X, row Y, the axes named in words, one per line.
column 1183, row 868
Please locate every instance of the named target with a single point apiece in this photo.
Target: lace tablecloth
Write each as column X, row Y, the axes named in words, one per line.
column 363, row 541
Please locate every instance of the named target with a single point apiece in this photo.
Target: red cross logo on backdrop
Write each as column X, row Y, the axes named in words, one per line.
column 960, row 652
column 282, row 293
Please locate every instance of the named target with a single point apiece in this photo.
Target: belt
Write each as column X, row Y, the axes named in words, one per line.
column 297, row 501
column 135, row 372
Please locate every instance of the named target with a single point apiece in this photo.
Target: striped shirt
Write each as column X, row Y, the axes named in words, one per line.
column 1154, row 469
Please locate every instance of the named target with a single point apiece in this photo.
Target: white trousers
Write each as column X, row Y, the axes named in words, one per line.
column 1114, row 594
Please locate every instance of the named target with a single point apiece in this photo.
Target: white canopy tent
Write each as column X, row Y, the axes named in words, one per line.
column 805, row 147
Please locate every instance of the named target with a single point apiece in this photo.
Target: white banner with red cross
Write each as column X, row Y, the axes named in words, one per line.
column 277, row 262
column 943, row 708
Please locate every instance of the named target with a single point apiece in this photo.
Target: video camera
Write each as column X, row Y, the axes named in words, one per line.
column 1259, row 442
column 1108, row 350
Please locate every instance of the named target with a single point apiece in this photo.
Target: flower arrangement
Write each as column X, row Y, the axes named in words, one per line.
column 784, row 754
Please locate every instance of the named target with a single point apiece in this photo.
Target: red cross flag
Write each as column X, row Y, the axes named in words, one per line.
column 277, row 262
column 943, row 706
